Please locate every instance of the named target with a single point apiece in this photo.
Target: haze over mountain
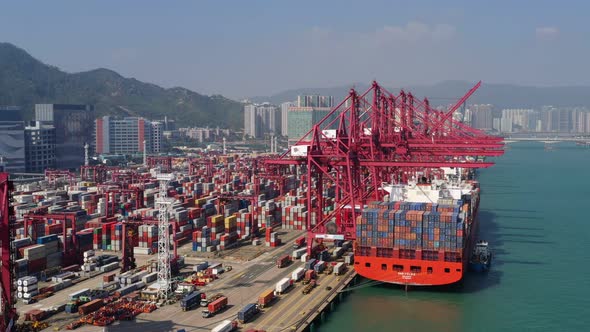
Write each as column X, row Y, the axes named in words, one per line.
column 25, row 81
column 443, row 93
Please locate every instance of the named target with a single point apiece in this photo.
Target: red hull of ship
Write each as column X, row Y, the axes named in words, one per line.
column 417, row 272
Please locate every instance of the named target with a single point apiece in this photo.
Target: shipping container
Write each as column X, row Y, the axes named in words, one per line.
column 246, row 314
column 283, row 261
column 298, row 274
column 266, row 298
column 190, row 301
column 283, row 285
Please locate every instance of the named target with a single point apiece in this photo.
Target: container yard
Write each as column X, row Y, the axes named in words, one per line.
column 86, row 249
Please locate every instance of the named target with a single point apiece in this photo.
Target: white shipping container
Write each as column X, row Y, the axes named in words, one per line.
column 282, row 285
column 297, row 274
column 26, row 281
column 299, row 252
column 225, row 326
column 304, row 258
column 339, row 268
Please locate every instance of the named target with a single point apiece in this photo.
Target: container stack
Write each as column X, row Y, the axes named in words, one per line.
column 97, row 238
column 116, row 236
column 36, row 257
column 216, row 223
column 21, row 267
column 27, row 288
column 202, row 239
column 413, row 226
column 148, row 236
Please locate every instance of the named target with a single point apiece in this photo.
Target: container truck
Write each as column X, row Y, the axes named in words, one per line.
column 310, row 264
column 283, row 285
column 319, row 267
column 225, row 326
column 215, row 307
column 266, row 298
column 339, row 268
column 283, row 261
column 309, row 276
column 299, row 242
column 246, row 314
column 298, row 274
column 297, row 253
column 190, row 301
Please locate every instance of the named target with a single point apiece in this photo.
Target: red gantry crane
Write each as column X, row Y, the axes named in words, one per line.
column 374, row 138
column 9, row 314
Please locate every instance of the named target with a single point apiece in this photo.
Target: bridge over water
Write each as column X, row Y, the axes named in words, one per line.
column 549, row 140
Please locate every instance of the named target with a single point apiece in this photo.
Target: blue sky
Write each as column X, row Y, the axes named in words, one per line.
column 246, row 48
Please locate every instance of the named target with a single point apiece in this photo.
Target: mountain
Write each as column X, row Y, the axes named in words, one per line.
column 25, row 81
column 443, row 93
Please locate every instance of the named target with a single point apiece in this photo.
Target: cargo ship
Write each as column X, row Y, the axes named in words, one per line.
column 423, row 235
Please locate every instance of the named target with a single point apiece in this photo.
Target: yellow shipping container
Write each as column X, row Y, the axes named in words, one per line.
column 230, row 221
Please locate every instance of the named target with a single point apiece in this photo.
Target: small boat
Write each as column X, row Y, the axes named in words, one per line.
column 481, row 257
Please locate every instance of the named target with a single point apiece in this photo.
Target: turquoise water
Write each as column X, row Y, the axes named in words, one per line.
column 535, row 211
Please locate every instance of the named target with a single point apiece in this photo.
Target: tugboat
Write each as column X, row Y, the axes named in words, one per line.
column 481, row 257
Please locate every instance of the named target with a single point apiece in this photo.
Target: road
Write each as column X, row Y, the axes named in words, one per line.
column 242, row 286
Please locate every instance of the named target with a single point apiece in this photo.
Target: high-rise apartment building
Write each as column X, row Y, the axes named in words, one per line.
column 260, row 119
column 39, row 146
column 308, row 111
column 285, row 117
column 74, row 127
column 482, row 116
column 126, row 135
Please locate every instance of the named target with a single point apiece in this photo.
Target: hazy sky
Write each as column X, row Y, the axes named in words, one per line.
column 245, row 48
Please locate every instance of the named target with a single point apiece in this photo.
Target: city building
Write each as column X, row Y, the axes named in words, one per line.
column 285, row 117
column 74, row 127
column 482, row 116
column 126, row 135
column 12, row 145
column 261, row 119
column 39, row 146
column 308, row 111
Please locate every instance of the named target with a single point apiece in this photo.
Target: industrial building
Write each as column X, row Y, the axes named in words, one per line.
column 74, row 127
column 12, row 145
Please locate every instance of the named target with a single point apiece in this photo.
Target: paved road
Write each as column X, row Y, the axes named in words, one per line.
column 242, row 286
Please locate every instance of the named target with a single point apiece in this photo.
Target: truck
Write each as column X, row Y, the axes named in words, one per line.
column 225, row 326
column 297, row 253
column 329, row 269
column 283, row 261
column 308, row 287
column 319, row 267
column 309, row 276
column 190, row 301
column 299, row 242
column 215, row 307
column 205, row 301
column 297, row 274
column 339, row 268
column 283, row 285
column 266, row 298
column 310, row 264
column 247, row 313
